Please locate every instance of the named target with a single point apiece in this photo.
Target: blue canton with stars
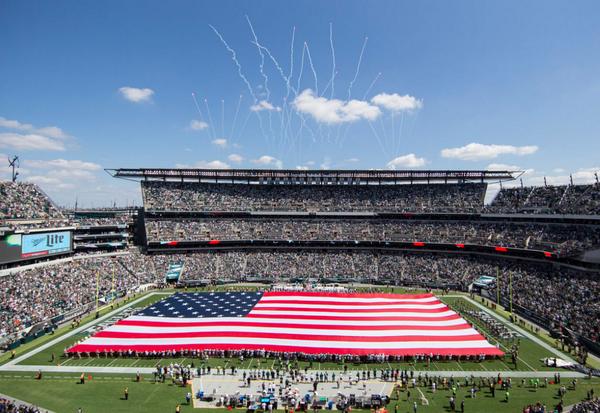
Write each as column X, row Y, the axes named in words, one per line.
column 204, row 305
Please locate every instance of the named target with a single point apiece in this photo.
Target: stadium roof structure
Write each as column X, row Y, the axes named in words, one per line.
column 309, row 177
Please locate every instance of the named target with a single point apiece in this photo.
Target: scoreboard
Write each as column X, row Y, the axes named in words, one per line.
column 26, row 246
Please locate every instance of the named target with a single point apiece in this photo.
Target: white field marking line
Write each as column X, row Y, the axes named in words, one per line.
column 422, row 395
column 76, row 331
column 68, row 360
column 250, row 364
column 273, row 364
column 194, row 393
column 158, row 362
column 459, row 366
column 482, row 365
column 135, row 362
column 110, row 364
column 383, row 386
column 516, row 328
column 502, row 345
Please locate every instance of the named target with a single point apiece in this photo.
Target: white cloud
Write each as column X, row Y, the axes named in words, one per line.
column 45, row 181
column 198, row 125
column 302, row 168
column 216, row 164
column 397, row 103
column 235, row 158
column 30, row 142
column 406, row 161
column 267, row 160
column 326, row 164
column 62, row 164
column 478, row 151
column 334, row 111
column 49, row 131
column 352, row 160
column 264, row 105
column 503, row 167
column 221, row 142
column 136, row 95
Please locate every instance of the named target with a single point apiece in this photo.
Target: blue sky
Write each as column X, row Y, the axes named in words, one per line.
column 464, row 84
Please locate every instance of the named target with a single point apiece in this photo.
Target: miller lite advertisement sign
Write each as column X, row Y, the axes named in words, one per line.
column 45, row 243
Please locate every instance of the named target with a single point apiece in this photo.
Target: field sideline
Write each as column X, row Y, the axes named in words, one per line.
column 59, row 393
column 529, row 356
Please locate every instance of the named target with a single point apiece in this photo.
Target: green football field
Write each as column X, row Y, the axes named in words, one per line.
column 59, row 392
column 103, row 394
column 529, row 356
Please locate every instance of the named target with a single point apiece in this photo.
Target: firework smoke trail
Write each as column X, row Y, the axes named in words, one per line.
column 302, row 120
column 243, row 77
column 360, row 57
column 243, row 128
column 291, row 61
column 363, row 98
column 237, row 111
column 237, row 63
column 312, row 67
column 327, row 85
column 371, row 85
column 393, row 134
column 262, row 59
column 386, row 141
column 197, row 107
column 333, row 72
column 301, row 67
column 210, row 119
column 261, row 68
column 378, row 139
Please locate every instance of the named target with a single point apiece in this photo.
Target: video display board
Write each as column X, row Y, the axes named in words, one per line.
column 17, row 247
column 10, row 248
column 45, row 243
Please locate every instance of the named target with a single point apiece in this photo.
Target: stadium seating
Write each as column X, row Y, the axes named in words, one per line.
column 565, row 199
column 25, row 201
column 186, row 196
column 563, row 239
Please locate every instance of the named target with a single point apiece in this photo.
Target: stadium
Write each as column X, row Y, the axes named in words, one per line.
column 285, row 289
column 298, row 206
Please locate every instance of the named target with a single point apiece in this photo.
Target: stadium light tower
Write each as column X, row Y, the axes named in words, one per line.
column 14, row 164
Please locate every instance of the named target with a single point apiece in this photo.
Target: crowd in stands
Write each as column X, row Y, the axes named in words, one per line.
column 36, row 295
column 564, row 199
column 101, row 221
column 186, row 196
column 9, row 406
column 588, row 406
column 566, row 298
column 564, row 239
column 25, row 201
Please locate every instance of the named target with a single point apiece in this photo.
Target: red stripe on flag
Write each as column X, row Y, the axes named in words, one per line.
column 488, row 351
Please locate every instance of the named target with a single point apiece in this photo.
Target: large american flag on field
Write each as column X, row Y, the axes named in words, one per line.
column 303, row 322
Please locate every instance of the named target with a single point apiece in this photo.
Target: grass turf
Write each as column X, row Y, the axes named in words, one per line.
column 529, row 355
column 62, row 394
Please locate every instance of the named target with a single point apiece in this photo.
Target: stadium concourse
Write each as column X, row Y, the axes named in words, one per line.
column 417, row 229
